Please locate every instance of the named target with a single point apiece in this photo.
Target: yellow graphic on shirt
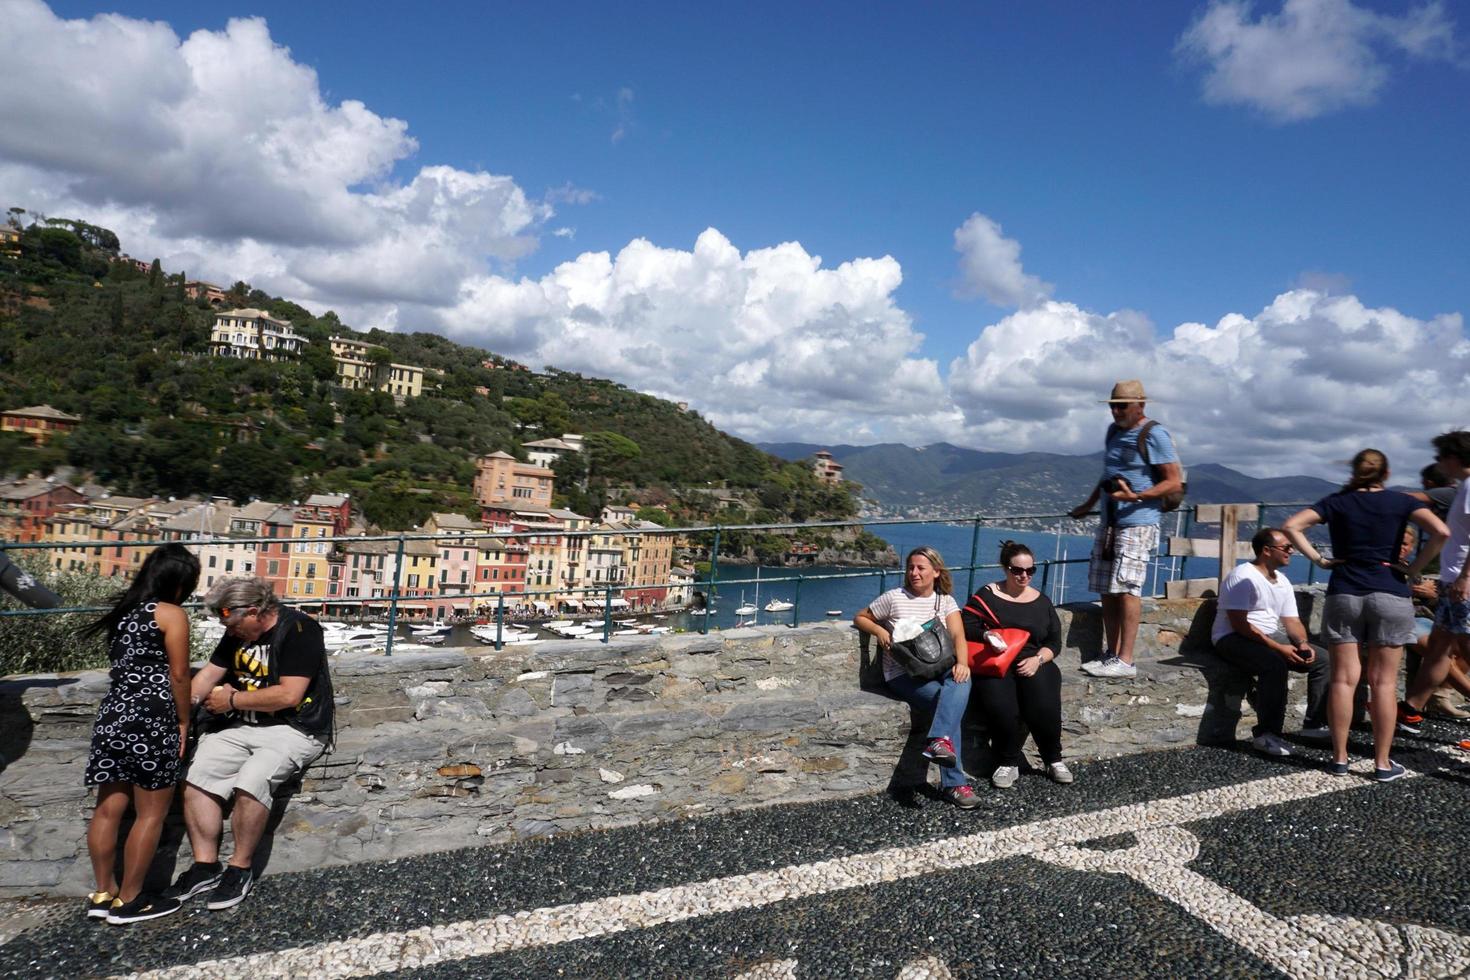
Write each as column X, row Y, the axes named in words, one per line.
column 251, row 668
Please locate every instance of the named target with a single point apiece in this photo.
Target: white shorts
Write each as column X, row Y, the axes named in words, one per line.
column 254, row 759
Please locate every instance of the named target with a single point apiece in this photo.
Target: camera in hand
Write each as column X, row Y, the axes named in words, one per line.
column 1113, row 484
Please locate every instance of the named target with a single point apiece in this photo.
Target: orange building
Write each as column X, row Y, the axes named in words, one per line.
column 500, row 478
column 40, row 422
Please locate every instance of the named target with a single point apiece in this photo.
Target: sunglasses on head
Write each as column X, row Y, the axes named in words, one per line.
column 1021, row 569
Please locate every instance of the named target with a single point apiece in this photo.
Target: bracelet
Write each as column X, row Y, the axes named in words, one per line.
column 232, row 699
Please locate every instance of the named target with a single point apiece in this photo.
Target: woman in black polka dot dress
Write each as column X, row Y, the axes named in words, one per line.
column 138, row 740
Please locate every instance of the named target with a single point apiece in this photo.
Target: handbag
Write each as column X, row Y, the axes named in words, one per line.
column 985, row 660
column 929, row 654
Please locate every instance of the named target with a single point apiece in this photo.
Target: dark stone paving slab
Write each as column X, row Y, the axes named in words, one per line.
column 315, row 907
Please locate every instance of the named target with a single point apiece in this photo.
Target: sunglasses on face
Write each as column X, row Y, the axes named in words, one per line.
column 1285, row 549
column 1021, row 569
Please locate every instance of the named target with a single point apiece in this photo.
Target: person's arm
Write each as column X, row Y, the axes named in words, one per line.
column 1172, row 480
column 287, row 694
column 1082, row 509
column 1240, row 623
column 1048, row 644
column 1294, row 529
column 173, row 622
column 1296, row 633
column 865, row 622
column 956, row 626
column 1438, row 535
column 206, row 680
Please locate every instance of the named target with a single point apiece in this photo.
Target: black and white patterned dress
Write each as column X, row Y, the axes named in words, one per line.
column 136, row 738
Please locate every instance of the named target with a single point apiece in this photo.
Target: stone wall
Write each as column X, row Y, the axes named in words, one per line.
column 456, row 747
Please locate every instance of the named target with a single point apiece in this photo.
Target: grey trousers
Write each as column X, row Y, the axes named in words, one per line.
column 1270, row 671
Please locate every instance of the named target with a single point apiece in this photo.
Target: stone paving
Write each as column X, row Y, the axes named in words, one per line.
column 1197, row 862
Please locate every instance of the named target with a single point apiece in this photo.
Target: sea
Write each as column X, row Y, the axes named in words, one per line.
column 819, row 592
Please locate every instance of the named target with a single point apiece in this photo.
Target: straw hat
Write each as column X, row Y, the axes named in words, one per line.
column 1127, row 391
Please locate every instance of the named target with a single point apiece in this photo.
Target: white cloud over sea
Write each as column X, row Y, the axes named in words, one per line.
column 254, row 174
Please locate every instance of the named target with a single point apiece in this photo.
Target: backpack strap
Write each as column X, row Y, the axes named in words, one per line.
column 994, row 619
column 1143, row 432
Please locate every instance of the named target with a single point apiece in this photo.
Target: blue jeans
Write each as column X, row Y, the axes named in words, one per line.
column 946, row 697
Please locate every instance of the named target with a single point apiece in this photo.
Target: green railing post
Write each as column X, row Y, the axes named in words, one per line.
column 974, row 553
column 1045, row 578
column 709, row 585
column 499, row 621
column 796, row 604
column 607, row 613
column 393, row 600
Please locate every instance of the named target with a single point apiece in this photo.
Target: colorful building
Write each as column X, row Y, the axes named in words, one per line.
column 40, row 422
column 500, row 478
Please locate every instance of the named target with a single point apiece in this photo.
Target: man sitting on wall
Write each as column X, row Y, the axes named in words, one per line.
column 1257, row 629
column 268, row 678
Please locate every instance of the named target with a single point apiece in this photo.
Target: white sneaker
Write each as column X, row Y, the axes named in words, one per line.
column 1270, row 745
column 1005, row 777
column 1113, row 667
column 1090, row 667
column 1059, row 773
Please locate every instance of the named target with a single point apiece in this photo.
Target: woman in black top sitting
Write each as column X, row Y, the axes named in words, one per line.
column 1032, row 686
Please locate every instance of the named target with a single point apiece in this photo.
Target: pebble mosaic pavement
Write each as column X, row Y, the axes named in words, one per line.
column 1198, row 862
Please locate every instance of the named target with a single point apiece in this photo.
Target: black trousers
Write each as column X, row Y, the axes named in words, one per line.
column 1270, row 671
column 1007, row 701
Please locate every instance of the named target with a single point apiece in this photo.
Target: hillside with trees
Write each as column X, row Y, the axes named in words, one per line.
column 88, row 332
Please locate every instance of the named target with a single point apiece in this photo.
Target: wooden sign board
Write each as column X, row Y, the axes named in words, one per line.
column 1211, row 513
column 1191, row 588
column 1206, row 548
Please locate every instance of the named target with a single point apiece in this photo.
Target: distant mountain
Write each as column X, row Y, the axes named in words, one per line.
column 946, row 479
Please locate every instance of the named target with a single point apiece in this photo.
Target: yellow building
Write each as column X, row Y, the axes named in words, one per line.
column 309, row 550
column 357, row 370
column 254, row 335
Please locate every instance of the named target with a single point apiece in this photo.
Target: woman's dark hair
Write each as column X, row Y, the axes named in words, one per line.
column 1370, row 469
column 1010, row 549
column 1432, row 476
column 169, row 574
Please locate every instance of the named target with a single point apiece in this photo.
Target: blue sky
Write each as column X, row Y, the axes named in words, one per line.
column 1154, row 164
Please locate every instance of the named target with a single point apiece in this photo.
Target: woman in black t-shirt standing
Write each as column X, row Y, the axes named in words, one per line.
column 1032, row 686
column 1368, row 602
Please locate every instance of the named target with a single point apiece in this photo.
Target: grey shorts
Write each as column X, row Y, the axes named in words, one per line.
column 1119, row 562
column 255, row 759
column 1376, row 619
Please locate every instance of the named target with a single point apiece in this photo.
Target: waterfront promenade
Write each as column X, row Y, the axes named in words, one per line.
column 1198, row 862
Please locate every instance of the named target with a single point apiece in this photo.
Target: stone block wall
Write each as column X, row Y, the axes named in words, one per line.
column 444, row 750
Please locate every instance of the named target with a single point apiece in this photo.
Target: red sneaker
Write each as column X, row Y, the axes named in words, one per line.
column 940, row 751
column 963, row 797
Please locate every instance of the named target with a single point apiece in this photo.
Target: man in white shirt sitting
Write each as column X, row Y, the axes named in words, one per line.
column 1257, row 629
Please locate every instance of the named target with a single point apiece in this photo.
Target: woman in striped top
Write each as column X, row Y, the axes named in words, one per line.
column 925, row 595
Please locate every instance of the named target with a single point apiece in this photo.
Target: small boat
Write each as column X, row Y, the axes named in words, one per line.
column 834, row 612
column 745, row 608
column 779, row 605
column 430, row 629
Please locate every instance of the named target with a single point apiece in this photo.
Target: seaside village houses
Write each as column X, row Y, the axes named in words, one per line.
column 316, row 553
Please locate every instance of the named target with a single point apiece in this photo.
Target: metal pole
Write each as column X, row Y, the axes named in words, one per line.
column 709, row 585
column 974, row 553
column 393, row 600
column 500, row 621
column 796, row 603
column 607, row 613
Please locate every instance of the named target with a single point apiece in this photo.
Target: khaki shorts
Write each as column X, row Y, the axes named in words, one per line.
column 254, row 759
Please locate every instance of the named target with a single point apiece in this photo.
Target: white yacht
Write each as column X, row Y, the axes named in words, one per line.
column 779, row 605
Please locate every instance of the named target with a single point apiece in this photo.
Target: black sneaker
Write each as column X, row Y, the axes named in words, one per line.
column 200, row 877
column 142, row 908
column 99, row 904
column 233, row 886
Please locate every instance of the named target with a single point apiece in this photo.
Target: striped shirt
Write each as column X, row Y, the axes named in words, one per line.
column 900, row 603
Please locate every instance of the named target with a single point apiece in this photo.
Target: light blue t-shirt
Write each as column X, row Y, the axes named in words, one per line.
column 1121, row 458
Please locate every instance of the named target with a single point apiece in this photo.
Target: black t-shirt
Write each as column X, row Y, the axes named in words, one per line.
column 1367, row 530
column 247, row 667
column 1038, row 617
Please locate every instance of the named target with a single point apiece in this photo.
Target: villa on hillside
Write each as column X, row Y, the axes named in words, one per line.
column 827, row 469
column 359, row 370
column 40, row 422
column 253, row 335
column 500, row 478
column 213, row 295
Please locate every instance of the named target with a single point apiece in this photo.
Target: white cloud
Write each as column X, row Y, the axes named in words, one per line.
column 769, row 343
column 1311, row 58
column 1298, row 387
column 990, row 265
column 219, row 154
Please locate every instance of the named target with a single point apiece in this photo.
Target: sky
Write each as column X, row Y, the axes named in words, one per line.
column 823, row 222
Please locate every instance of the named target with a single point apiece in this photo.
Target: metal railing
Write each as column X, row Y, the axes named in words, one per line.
column 1051, row 580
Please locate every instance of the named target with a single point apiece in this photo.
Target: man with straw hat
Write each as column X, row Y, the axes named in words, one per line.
column 1140, row 469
